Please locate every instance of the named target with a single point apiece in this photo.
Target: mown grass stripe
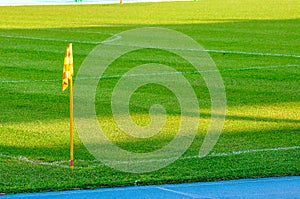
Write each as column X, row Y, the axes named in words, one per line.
column 154, row 74
column 116, row 37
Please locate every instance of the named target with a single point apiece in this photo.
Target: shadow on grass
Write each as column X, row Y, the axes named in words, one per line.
column 25, row 101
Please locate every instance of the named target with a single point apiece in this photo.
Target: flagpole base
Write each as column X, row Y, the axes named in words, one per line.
column 71, row 164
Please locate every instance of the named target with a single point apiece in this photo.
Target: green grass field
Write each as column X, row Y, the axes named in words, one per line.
column 255, row 45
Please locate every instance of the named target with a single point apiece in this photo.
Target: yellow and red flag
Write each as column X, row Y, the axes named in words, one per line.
column 68, row 72
column 68, row 67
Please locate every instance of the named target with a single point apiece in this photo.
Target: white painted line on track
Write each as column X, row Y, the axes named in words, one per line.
column 96, row 163
column 181, row 193
column 155, row 74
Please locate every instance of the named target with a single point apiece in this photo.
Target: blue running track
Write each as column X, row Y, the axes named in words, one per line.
column 267, row 188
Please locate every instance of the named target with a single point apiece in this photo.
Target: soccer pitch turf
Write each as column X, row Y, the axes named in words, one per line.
column 255, row 45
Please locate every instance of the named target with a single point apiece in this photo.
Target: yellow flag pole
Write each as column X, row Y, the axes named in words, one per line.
column 71, row 126
column 68, row 81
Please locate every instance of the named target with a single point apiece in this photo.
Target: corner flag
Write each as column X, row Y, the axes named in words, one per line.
column 68, row 67
column 68, row 72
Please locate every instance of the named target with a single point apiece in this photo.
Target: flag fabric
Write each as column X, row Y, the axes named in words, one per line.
column 68, row 67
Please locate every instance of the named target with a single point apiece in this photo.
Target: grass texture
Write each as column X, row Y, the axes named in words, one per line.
column 255, row 45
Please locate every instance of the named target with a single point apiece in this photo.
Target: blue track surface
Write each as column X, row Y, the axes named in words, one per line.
column 270, row 188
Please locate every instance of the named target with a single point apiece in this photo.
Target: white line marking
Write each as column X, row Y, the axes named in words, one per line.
column 254, row 53
column 248, row 151
column 182, row 193
column 96, row 163
column 49, row 39
column 108, row 42
column 155, row 74
column 29, row 81
column 25, row 159
column 112, row 39
column 74, row 31
column 65, row 40
column 212, row 50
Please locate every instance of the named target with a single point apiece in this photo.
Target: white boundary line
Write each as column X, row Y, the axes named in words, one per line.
column 98, row 163
column 211, row 50
column 254, row 53
column 25, row 159
column 106, row 42
column 48, row 39
column 182, row 193
column 155, row 74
